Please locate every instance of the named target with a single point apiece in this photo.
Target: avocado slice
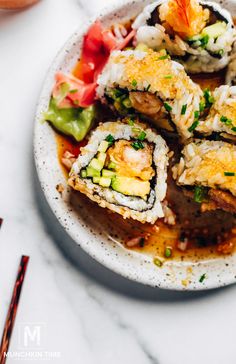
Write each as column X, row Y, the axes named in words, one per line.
column 130, row 186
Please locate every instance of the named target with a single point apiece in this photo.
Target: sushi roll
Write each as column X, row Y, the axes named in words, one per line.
column 230, row 76
column 208, row 169
column 199, row 34
column 150, row 84
column 124, row 168
column 222, row 115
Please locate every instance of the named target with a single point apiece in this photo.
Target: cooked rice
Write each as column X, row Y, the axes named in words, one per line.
column 128, row 206
column 205, row 163
column 224, row 106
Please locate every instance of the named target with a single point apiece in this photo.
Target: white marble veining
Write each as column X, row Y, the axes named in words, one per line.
column 88, row 314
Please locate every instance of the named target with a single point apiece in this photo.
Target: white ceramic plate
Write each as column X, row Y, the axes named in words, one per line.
column 84, row 222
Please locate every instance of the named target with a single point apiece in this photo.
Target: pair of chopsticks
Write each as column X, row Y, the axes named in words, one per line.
column 11, row 315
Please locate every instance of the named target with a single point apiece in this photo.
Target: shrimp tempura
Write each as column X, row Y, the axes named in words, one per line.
column 186, row 17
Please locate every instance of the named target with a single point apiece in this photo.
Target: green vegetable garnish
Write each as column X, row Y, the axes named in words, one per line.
column 208, row 98
column 134, row 83
column 73, row 91
column 202, row 278
column 168, row 77
column 196, row 115
column 161, row 58
column 72, row 121
column 193, row 126
column 137, row 145
column 157, row 262
column 142, row 136
column 168, row 252
column 229, row 174
column 200, row 194
column 183, row 110
column 167, row 107
column 110, row 139
column 130, row 122
column 225, row 120
column 202, row 106
column 204, row 40
column 233, row 129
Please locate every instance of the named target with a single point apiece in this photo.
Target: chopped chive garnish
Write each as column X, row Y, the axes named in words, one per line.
column 196, row 115
column 157, row 262
column 134, row 83
column 167, row 107
column 183, row 110
column 110, row 139
column 229, row 174
column 147, row 88
column 142, row 136
column 202, row 278
column 73, row 91
column 168, row 252
column 228, row 122
column 208, row 97
column 161, row 58
column 223, row 119
column 202, row 106
column 130, row 122
column 168, row 77
column 204, row 40
column 137, row 145
column 193, row 126
column 200, row 194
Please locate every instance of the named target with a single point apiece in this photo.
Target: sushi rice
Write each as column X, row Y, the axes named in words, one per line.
column 141, row 209
column 209, row 164
column 222, row 114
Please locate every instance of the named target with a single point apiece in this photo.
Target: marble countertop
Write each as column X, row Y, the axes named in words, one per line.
column 73, row 310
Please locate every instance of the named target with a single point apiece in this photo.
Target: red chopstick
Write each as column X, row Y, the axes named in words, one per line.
column 11, row 315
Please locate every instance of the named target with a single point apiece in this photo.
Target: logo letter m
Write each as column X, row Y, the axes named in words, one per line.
column 32, row 335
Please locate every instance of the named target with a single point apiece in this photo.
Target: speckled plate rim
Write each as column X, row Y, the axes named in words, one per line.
column 137, row 267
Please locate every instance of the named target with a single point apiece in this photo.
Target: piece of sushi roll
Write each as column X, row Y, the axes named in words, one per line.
column 230, row 76
column 199, row 34
column 124, row 168
column 222, row 115
column 208, row 169
column 150, row 84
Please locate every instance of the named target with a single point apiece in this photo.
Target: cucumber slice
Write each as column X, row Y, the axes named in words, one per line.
column 103, row 146
column 111, row 165
column 96, row 179
column 83, row 173
column 101, row 157
column 105, row 182
column 107, row 173
column 96, row 164
column 91, row 172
